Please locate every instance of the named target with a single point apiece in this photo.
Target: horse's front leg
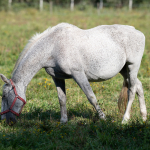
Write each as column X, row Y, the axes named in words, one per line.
column 60, row 85
column 84, row 84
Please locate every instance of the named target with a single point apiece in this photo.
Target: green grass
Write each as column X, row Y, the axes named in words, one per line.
column 38, row 126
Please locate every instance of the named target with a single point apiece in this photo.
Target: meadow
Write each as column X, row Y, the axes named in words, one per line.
column 39, row 126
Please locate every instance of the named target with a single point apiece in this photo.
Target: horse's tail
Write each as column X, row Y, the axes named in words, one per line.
column 123, row 97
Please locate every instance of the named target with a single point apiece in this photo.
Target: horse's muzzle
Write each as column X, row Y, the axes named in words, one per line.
column 10, row 119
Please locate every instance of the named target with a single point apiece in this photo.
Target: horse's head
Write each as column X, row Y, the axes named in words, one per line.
column 11, row 103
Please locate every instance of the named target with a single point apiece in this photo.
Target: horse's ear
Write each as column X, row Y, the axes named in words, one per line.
column 4, row 79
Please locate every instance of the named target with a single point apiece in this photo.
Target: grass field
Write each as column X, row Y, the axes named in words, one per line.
column 38, row 126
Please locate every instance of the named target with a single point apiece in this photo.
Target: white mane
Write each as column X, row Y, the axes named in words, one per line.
column 30, row 43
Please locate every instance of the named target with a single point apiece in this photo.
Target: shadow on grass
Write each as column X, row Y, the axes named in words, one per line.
column 42, row 130
column 52, row 115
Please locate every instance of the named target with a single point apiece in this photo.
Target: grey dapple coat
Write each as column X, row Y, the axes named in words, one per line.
column 96, row 54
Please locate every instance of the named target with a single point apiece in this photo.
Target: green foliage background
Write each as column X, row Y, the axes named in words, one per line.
column 66, row 3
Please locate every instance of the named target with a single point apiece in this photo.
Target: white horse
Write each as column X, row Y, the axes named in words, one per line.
column 65, row 51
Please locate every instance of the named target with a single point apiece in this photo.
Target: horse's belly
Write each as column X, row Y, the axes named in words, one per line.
column 104, row 70
column 101, row 75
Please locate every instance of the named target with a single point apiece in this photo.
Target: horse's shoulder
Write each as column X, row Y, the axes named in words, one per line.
column 65, row 32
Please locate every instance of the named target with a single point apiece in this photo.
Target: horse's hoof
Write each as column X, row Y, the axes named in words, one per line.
column 144, row 118
column 63, row 120
column 124, row 121
column 102, row 116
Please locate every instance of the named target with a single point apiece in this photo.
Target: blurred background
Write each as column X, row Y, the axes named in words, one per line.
column 50, row 5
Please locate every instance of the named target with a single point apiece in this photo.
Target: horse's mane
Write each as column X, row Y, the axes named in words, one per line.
column 30, row 43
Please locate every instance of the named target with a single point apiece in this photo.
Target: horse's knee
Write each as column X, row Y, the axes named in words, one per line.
column 131, row 92
column 62, row 99
column 62, row 102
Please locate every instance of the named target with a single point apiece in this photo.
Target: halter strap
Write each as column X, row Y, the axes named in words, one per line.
column 16, row 97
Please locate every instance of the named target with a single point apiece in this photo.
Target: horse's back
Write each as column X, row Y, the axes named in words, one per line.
column 124, row 36
column 129, row 39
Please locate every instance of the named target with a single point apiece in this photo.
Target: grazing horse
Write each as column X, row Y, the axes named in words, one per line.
column 65, row 51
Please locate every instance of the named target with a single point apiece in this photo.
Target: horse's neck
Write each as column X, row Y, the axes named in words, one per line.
column 23, row 75
column 30, row 64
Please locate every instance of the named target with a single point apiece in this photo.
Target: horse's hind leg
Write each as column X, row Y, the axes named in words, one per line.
column 140, row 94
column 60, row 85
column 132, row 79
column 134, row 86
column 84, row 84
